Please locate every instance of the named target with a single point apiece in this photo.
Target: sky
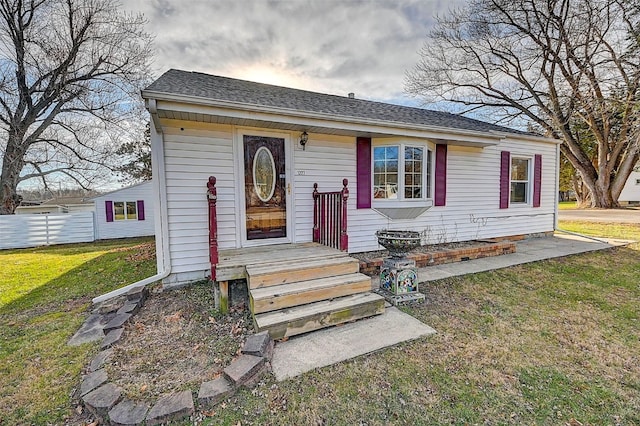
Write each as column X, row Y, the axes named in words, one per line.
column 328, row 46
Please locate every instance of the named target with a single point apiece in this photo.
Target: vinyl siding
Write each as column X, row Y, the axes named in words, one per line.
column 472, row 205
column 472, row 209
column 126, row 228
column 191, row 156
column 631, row 190
column 325, row 161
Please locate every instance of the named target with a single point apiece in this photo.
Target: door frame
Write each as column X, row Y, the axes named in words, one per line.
column 241, row 208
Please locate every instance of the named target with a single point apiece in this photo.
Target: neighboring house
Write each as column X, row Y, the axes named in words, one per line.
column 56, row 205
column 41, row 209
column 451, row 177
column 126, row 212
column 631, row 192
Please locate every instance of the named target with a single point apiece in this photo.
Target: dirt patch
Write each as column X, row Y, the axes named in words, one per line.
column 176, row 342
column 142, row 252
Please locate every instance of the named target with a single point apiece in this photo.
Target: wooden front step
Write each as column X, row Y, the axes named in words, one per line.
column 272, row 298
column 314, row 316
column 301, row 270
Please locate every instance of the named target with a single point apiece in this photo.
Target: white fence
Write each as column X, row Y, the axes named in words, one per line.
column 32, row 230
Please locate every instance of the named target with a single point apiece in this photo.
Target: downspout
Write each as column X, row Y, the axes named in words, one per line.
column 162, row 221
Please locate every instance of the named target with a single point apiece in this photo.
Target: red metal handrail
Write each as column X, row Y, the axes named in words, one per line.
column 330, row 217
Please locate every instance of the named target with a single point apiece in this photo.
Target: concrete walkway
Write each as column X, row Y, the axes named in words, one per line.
column 530, row 250
column 332, row 345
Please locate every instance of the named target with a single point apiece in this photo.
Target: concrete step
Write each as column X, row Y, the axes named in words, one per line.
column 314, row 316
column 300, row 270
column 282, row 296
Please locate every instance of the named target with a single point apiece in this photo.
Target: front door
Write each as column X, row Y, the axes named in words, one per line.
column 265, row 187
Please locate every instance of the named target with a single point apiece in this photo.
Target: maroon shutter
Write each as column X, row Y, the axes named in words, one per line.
column 108, row 207
column 441, row 175
column 505, row 165
column 140, row 209
column 363, row 173
column 537, row 180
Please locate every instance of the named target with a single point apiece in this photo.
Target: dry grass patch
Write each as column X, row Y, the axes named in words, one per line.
column 176, row 342
column 552, row 342
column 539, row 325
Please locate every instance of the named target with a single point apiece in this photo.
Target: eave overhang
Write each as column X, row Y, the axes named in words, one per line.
column 180, row 107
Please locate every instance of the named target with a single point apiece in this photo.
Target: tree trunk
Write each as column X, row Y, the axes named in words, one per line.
column 600, row 188
column 582, row 194
column 600, row 195
column 602, row 198
column 12, row 165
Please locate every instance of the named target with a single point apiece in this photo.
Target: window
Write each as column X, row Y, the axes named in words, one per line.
column 385, row 172
column 519, row 180
column 401, row 173
column 637, row 181
column 413, row 172
column 125, row 210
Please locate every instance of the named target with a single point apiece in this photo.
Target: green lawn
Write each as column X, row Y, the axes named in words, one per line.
column 553, row 342
column 44, row 296
column 567, row 205
column 598, row 229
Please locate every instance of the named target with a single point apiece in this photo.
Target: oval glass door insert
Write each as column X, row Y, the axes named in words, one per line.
column 264, row 174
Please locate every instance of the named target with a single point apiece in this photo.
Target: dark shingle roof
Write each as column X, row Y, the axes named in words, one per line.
column 211, row 87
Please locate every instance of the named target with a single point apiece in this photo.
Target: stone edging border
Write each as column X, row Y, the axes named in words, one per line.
column 104, row 399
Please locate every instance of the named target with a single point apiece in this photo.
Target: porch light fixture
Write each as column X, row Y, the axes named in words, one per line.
column 304, row 137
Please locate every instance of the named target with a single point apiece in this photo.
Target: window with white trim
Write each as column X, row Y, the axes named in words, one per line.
column 401, row 172
column 125, row 210
column 520, row 180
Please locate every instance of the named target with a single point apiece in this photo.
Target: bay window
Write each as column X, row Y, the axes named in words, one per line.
column 401, row 172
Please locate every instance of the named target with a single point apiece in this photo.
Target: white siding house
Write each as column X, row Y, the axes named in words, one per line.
column 450, row 177
column 126, row 212
column 631, row 192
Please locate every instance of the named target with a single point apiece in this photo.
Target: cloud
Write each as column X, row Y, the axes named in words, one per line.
column 330, row 46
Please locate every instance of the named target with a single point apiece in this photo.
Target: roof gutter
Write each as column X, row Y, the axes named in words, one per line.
column 162, row 221
column 195, row 100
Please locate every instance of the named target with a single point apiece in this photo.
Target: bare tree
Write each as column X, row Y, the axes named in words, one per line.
column 561, row 66
column 70, row 77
